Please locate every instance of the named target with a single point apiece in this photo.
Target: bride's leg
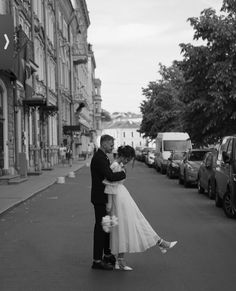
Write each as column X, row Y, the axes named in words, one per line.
column 165, row 245
column 121, row 264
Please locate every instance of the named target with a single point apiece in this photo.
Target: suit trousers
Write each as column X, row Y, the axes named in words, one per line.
column 101, row 239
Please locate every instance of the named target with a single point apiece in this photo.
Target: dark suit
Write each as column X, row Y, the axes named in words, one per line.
column 100, row 170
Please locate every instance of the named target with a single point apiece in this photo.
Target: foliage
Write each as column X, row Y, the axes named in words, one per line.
column 209, row 91
column 162, row 107
column 105, row 115
column 198, row 94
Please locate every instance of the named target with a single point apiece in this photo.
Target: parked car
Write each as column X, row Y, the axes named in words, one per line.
column 206, row 175
column 150, row 158
column 138, row 153
column 172, row 169
column 144, row 154
column 225, row 176
column 189, row 166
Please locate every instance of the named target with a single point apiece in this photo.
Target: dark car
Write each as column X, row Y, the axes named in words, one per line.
column 225, row 176
column 206, row 175
column 172, row 169
column 138, row 153
column 144, row 154
column 189, row 166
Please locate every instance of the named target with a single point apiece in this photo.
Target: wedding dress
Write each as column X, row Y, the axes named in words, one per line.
column 133, row 233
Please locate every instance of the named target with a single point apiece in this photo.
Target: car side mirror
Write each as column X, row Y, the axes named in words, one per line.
column 225, row 157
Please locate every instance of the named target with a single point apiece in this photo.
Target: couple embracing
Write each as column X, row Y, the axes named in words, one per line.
column 109, row 196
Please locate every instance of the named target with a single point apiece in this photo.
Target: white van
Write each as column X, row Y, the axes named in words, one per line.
column 167, row 142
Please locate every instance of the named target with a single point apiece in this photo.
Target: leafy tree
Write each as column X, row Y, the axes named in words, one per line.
column 105, row 115
column 161, row 109
column 209, row 90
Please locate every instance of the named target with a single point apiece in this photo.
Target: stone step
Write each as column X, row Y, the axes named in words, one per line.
column 6, row 178
column 34, row 173
column 17, row 181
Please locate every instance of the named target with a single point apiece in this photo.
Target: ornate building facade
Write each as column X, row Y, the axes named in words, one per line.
column 48, row 97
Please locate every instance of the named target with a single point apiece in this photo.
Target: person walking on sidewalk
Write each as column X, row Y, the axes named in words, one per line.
column 69, row 156
column 100, row 170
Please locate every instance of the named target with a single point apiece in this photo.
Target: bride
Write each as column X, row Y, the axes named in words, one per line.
column 133, row 233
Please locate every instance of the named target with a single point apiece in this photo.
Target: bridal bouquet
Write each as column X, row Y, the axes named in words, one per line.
column 109, row 221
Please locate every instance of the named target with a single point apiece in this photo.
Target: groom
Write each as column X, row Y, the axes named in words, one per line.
column 100, row 170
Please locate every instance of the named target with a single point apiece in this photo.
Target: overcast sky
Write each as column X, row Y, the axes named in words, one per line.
column 131, row 37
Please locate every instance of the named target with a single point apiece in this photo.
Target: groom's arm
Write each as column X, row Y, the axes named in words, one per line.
column 105, row 170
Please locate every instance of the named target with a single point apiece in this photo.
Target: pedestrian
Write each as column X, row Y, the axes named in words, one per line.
column 62, row 153
column 100, row 169
column 133, row 233
column 69, row 156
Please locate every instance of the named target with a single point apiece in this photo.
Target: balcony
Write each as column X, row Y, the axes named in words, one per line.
column 79, row 54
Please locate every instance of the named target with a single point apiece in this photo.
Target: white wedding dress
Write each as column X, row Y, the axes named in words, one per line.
column 133, row 233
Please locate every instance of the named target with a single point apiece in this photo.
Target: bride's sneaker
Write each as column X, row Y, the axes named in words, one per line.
column 166, row 245
column 121, row 265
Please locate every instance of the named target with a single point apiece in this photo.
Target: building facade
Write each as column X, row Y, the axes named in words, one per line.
column 47, row 97
column 125, row 132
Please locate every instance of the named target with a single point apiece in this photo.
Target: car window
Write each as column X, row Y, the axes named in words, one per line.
column 229, row 147
column 222, row 148
column 177, row 156
column 209, row 159
column 197, row 156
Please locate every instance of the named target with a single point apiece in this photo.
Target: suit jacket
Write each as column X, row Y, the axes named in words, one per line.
column 100, row 170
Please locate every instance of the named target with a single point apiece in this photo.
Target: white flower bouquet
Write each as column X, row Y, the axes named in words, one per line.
column 108, row 222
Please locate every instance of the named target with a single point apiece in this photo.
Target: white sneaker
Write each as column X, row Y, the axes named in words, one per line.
column 166, row 245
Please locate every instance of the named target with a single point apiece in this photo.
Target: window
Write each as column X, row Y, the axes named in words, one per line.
column 229, row 148
column 222, row 148
column 132, row 134
column 123, row 134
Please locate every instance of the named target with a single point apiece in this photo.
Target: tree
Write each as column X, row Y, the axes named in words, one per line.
column 105, row 115
column 209, row 90
column 161, row 109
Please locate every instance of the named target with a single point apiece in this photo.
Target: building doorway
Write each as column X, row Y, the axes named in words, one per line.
column 1, row 132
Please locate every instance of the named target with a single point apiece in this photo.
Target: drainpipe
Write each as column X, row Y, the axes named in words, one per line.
column 35, row 122
column 46, row 74
column 15, row 116
column 71, row 89
column 58, row 75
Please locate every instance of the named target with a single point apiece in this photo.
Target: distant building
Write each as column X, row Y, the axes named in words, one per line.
column 125, row 132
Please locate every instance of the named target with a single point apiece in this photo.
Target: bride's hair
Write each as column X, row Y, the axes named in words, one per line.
column 126, row 152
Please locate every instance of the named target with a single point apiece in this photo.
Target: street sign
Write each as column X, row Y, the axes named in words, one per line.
column 6, row 42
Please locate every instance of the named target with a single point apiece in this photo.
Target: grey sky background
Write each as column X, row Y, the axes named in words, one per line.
column 131, row 37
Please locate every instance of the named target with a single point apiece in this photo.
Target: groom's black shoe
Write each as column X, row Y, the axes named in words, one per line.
column 102, row 266
column 109, row 259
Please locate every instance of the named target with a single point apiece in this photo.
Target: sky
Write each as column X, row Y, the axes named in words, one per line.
column 131, row 37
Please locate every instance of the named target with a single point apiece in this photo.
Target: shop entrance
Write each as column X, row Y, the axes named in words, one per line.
column 1, row 131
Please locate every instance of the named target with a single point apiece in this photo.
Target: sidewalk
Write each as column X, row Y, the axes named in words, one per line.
column 11, row 195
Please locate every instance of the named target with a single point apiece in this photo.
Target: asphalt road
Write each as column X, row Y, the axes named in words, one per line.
column 46, row 242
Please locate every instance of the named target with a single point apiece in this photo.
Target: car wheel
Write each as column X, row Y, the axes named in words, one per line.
column 186, row 183
column 170, row 174
column 210, row 190
column 199, row 187
column 228, row 207
column 218, row 200
column 162, row 170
